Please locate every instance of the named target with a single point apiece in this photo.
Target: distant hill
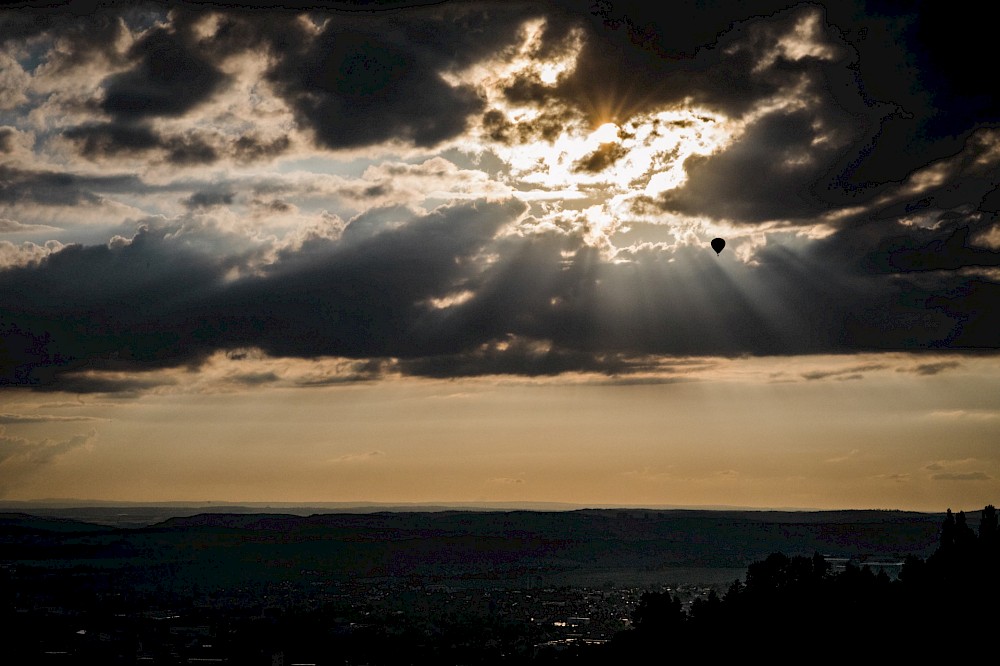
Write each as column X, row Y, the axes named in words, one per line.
column 27, row 523
column 228, row 549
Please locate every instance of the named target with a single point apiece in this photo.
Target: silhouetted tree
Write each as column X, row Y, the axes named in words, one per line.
column 988, row 527
column 820, row 566
column 965, row 538
column 706, row 610
column 658, row 612
column 948, row 531
column 808, row 603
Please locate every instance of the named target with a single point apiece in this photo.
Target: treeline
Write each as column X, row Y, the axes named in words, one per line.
column 794, row 608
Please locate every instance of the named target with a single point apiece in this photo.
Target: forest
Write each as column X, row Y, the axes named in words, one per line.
column 797, row 606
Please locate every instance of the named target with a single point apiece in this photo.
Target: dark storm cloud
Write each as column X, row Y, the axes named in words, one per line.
column 53, row 321
column 84, row 30
column 366, row 79
column 250, row 148
column 117, row 386
column 521, row 357
column 169, row 78
column 55, row 188
column 991, row 201
column 945, row 249
column 360, row 296
column 189, row 150
column 357, row 88
column 947, row 43
column 796, row 162
column 641, row 56
column 160, row 301
column 103, row 140
column 856, row 309
column 773, row 172
column 855, row 116
column 208, row 199
column 97, row 141
column 548, row 304
column 874, row 105
column 973, row 305
column 7, row 135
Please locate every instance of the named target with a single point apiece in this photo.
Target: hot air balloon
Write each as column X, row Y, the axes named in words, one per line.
column 718, row 244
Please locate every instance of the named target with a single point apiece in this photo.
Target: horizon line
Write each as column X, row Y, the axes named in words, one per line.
column 528, row 505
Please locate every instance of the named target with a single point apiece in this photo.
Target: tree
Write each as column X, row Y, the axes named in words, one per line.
column 988, row 527
column 658, row 612
column 965, row 538
column 948, row 531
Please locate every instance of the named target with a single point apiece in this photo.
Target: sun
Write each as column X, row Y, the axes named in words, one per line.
column 554, row 152
column 613, row 165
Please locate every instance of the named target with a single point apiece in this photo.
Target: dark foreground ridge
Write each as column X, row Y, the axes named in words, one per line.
column 591, row 586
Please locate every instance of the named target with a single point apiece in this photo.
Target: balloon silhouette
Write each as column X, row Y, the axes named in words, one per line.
column 718, row 244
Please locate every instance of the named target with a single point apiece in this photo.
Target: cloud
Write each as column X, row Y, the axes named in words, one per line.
column 170, row 76
column 20, row 453
column 367, row 456
column 932, row 368
column 842, row 154
column 648, row 474
column 348, row 372
column 107, row 141
column 506, row 481
column 775, row 171
column 965, row 414
column 355, row 86
column 255, row 378
column 847, row 373
column 44, row 418
column 277, row 308
column 253, row 148
column 606, row 155
column 952, row 470
column 850, row 455
column 79, row 35
column 54, row 188
column 207, row 199
column 961, row 476
column 26, row 253
column 13, row 226
column 535, row 306
column 13, row 82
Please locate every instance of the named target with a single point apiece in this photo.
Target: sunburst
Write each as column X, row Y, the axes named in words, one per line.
column 556, row 152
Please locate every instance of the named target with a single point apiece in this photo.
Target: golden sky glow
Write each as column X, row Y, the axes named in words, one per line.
column 803, row 432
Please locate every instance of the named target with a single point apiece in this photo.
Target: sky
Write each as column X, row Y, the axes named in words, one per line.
column 460, row 252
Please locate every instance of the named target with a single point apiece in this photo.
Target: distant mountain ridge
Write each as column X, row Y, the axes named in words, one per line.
column 31, row 523
column 140, row 514
column 468, row 545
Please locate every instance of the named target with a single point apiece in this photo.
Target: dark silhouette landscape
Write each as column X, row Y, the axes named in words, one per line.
column 484, row 587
